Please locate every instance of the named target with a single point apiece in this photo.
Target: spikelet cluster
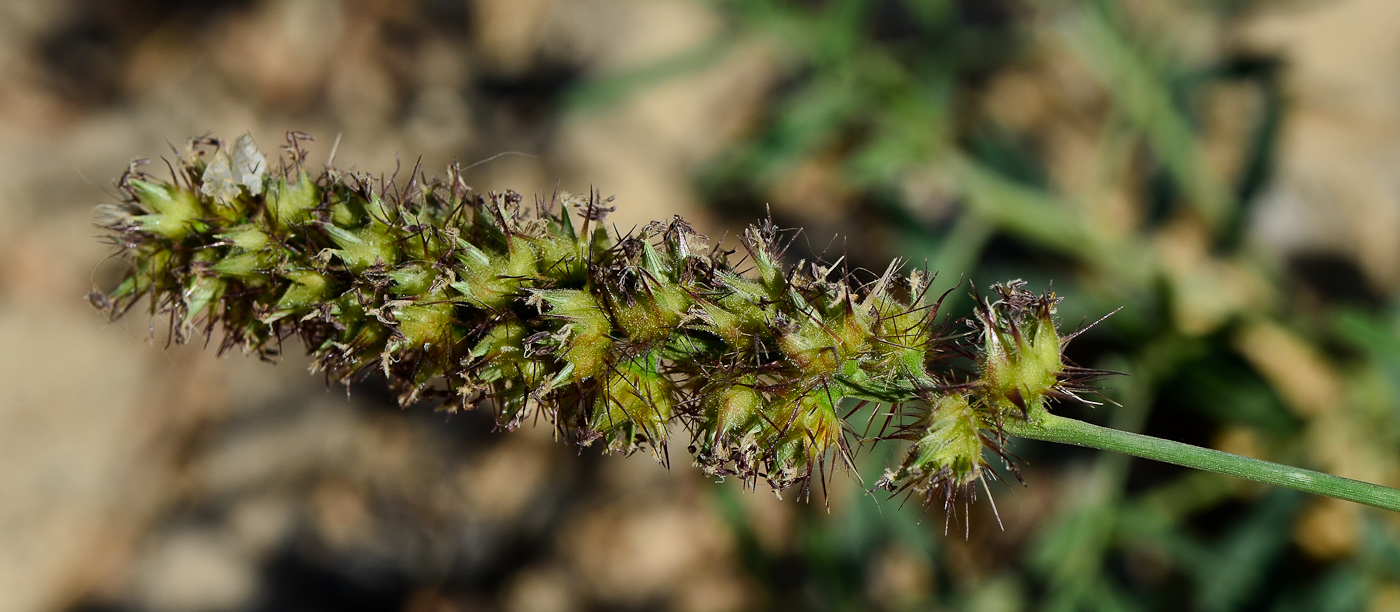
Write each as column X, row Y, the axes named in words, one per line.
column 538, row 312
column 1020, row 369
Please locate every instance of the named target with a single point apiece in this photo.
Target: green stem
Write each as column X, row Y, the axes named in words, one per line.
column 1070, row 431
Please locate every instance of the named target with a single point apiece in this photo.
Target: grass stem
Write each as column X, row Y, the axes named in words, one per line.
column 1079, row 433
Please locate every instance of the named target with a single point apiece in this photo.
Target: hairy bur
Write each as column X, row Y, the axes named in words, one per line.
column 537, row 312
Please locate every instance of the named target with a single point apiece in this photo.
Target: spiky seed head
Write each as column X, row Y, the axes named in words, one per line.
column 476, row 298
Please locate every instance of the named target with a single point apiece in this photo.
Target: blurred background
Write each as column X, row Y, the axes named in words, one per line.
column 1227, row 171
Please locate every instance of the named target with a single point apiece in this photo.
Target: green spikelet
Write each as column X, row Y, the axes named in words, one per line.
column 1021, row 362
column 479, row 299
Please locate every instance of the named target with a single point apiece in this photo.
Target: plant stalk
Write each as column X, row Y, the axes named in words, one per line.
column 1053, row 428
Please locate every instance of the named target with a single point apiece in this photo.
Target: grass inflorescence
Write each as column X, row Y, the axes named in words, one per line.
column 539, row 312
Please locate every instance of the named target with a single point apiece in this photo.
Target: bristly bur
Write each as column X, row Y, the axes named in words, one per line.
column 536, row 311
